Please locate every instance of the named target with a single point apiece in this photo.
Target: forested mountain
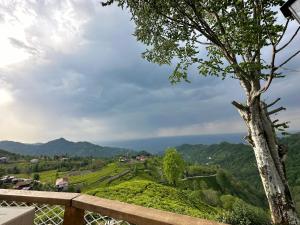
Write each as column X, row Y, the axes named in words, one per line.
column 239, row 160
column 62, row 147
column 9, row 155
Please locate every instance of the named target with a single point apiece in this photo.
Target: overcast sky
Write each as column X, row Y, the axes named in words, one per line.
column 73, row 69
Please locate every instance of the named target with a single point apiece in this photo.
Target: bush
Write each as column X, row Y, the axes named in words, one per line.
column 36, row 176
column 245, row 214
column 228, row 201
column 153, row 195
column 210, row 197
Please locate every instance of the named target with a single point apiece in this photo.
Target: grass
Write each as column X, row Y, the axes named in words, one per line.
column 150, row 194
column 45, row 176
column 91, row 180
column 87, row 179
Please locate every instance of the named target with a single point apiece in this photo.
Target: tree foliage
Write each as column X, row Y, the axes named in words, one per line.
column 223, row 37
column 36, row 176
column 173, row 166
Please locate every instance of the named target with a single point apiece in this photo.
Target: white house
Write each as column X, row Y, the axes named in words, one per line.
column 62, row 184
column 34, row 161
column 3, row 159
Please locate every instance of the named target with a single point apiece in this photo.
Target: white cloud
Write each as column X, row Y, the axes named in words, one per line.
column 5, row 97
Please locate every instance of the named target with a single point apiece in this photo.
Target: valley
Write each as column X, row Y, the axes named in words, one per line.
column 218, row 182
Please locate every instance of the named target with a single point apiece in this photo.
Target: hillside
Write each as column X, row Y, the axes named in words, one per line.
column 150, row 194
column 62, row 147
column 206, row 197
column 239, row 160
column 9, row 155
column 209, row 192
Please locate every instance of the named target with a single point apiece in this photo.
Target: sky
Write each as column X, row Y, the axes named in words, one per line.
column 73, row 69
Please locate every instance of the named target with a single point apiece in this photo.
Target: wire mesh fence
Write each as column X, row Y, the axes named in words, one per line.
column 97, row 219
column 44, row 214
column 54, row 214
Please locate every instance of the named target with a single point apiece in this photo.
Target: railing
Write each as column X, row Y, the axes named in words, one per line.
column 58, row 208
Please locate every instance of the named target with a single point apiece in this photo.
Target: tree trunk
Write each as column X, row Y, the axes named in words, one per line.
column 270, row 156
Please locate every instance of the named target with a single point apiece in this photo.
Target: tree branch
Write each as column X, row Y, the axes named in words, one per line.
column 283, row 32
column 240, row 106
column 284, row 125
column 276, row 110
column 286, row 61
column 271, row 76
column 204, row 43
column 255, row 55
column 292, row 38
column 212, row 36
column 273, row 103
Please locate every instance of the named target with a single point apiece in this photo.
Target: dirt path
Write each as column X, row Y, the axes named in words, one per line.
column 189, row 178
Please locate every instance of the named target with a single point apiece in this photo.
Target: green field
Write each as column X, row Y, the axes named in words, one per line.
column 143, row 183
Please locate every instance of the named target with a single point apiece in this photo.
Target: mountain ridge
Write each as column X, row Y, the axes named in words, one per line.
column 239, row 158
column 61, row 146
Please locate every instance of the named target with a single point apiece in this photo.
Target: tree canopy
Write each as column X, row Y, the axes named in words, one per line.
column 173, row 166
column 222, row 38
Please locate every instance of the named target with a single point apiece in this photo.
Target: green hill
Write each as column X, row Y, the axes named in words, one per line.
column 236, row 158
column 239, row 160
column 9, row 155
column 210, row 192
column 205, row 191
column 154, row 195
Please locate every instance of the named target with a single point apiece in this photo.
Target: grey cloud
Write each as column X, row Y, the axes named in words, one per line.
column 20, row 44
column 105, row 82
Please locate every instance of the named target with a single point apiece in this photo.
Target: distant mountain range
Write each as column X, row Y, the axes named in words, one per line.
column 157, row 145
column 62, row 146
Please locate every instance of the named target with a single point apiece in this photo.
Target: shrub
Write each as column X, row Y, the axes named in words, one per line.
column 228, row 201
column 36, row 176
column 211, row 197
column 245, row 214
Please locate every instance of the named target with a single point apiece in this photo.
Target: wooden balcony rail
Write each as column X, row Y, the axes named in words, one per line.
column 75, row 206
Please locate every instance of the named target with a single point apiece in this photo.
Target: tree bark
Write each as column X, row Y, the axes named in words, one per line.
column 270, row 156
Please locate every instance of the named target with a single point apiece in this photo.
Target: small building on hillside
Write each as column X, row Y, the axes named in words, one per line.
column 64, row 159
column 3, row 159
column 62, row 184
column 34, row 161
column 23, row 185
column 123, row 159
column 16, row 180
column 141, row 158
column 5, row 179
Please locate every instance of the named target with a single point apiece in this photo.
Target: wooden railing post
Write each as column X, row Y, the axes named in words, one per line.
column 73, row 216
